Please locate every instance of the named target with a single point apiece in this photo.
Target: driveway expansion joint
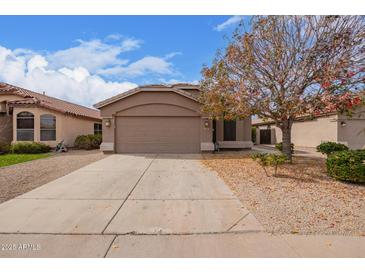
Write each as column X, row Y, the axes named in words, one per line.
column 111, row 244
column 239, row 220
column 129, row 194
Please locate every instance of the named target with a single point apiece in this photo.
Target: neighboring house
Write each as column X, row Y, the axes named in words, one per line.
column 166, row 119
column 29, row 116
column 310, row 132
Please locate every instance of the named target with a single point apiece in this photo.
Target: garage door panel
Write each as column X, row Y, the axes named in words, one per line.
column 158, row 135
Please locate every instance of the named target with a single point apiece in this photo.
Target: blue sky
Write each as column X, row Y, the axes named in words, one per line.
column 85, row 59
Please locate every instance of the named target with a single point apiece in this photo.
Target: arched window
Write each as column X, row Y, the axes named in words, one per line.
column 25, row 126
column 48, row 127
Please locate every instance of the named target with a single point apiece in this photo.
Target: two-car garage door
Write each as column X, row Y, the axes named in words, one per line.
column 157, row 134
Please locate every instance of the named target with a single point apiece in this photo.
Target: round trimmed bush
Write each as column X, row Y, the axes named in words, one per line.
column 88, row 141
column 30, row 148
column 347, row 165
column 330, row 147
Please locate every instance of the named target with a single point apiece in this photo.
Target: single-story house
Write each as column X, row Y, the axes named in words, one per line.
column 311, row 131
column 166, row 119
column 30, row 116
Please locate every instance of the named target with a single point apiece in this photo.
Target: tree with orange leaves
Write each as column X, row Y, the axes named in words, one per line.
column 285, row 67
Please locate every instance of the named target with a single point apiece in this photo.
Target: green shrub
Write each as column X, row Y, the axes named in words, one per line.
column 88, row 141
column 347, row 165
column 279, row 146
column 253, row 135
column 269, row 159
column 330, row 147
column 29, row 148
column 4, row 148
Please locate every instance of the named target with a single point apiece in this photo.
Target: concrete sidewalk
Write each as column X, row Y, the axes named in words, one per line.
column 147, row 206
column 221, row 245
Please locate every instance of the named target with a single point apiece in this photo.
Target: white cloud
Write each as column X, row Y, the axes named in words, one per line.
column 130, row 44
column 81, row 74
column 88, row 54
column 229, row 22
column 12, row 68
column 75, row 85
column 177, row 81
column 114, row 36
column 93, row 54
column 37, row 61
column 148, row 64
column 172, row 54
column 78, row 74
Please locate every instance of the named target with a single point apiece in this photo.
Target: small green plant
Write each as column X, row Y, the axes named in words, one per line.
column 29, row 148
column 330, row 147
column 253, row 134
column 347, row 165
column 269, row 159
column 279, row 146
column 88, row 141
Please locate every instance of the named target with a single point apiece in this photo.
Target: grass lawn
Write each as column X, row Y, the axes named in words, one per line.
column 12, row 159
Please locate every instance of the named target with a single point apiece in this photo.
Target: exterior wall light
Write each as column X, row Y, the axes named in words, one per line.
column 206, row 124
column 343, row 124
column 107, row 123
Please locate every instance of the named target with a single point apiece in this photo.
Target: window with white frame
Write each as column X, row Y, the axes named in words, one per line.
column 25, row 126
column 48, row 127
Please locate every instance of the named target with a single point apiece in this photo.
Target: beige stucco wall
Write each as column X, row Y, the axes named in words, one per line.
column 167, row 103
column 243, row 134
column 308, row 133
column 312, row 133
column 206, row 130
column 352, row 131
column 328, row 128
column 242, row 128
column 9, row 97
column 67, row 127
column 73, row 126
column 150, row 97
column 147, row 103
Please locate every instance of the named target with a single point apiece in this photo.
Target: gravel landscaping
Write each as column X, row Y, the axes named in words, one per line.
column 20, row 178
column 302, row 199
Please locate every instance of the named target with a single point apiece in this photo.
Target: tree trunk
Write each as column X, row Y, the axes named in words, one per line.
column 286, row 130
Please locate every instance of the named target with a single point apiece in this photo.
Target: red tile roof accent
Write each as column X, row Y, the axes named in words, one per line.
column 42, row 100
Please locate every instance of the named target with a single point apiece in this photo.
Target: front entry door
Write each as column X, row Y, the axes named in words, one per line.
column 265, row 136
column 229, row 131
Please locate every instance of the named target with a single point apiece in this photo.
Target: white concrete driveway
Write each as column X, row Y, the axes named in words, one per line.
column 126, row 194
column 136, row 206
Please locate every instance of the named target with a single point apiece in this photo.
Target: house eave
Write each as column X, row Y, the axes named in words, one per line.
column 140, row 89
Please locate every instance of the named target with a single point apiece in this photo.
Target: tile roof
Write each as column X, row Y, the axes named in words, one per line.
column 31, row 97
